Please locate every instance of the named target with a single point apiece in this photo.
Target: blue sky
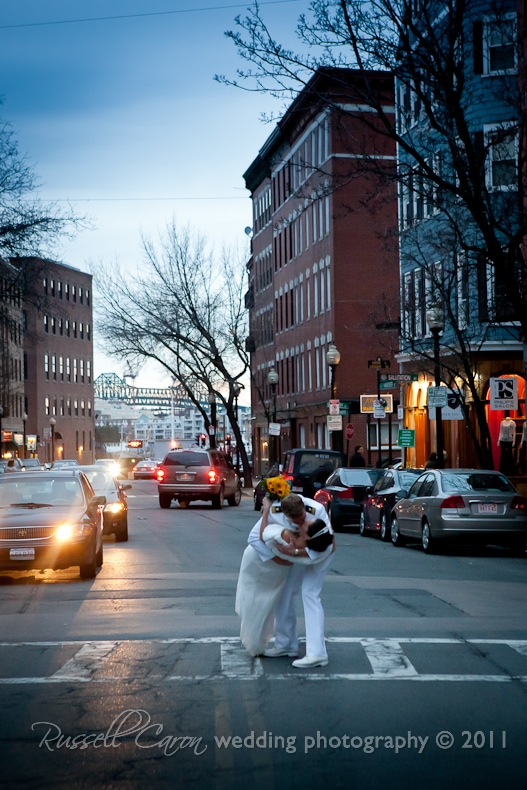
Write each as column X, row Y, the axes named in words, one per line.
column 122, row 116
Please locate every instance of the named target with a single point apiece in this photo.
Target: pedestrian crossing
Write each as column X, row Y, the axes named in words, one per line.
column 217, row 659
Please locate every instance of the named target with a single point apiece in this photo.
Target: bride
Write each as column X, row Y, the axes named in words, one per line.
column 264, row 570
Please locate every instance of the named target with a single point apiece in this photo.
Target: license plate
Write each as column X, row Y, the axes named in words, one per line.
column 488, row 508
column 22, row 554
column 184, row 476
column 298, row 488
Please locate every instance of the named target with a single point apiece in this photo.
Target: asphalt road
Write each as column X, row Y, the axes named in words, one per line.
column 138, row 680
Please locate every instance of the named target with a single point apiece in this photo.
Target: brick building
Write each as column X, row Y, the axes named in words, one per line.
column 58, row 360
column 324, row 267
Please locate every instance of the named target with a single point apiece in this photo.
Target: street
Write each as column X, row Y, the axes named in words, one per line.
column 138, row 680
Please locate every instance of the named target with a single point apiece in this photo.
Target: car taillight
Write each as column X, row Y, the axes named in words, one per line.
column 346, row 494
column 160, row 475
column 519, row 503
column 212, row 475
column 452, row 502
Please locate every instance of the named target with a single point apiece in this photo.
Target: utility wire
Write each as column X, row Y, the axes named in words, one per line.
column 145, row 14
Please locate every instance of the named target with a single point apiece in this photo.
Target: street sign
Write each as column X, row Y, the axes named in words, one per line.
column 378, row 363
column 379, row 408
column 390, row 384
column 349, row 431
column 399, row 377
column 334, row 407
column 334, row 422
column 406, row 437
column 437, row 397
column 274, row 429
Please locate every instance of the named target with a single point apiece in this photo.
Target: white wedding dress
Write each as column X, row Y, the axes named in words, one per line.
column 260, row 584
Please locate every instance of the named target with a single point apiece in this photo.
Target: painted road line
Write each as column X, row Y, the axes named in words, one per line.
column 387, row 658
column 237, row 663
column 85, row 662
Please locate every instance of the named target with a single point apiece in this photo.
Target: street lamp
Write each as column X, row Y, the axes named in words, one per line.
column 24, row 418
column 212, row 427
column 435, row 318
column 273, row 379
column 236, row 392
column 52, row 423
column 333, row 359
column 1, row 434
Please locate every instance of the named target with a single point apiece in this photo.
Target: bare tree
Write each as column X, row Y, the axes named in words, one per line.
column 432, row 49
column 185, row 310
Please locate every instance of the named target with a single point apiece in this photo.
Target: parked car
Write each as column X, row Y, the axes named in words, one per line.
column 115, row 511
column 64, row 463
column 18, row 464
column 109, row 463
column 33, row 465
column 344, row 493
column 471, row 505
column 376, row 513
column 145, row 470
column 198, row 474
column 50, row 520
column 307, row 469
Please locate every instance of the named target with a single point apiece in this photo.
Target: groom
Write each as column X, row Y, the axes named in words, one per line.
column 308, row 579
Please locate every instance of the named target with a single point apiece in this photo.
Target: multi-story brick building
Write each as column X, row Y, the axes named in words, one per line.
column 322, row 273
column 58, row 360
column 12, row 404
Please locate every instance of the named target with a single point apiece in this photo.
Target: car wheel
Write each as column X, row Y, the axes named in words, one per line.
column 362, row 526
column 385, row 532
column 217, row 501
column 236, row 498
column 89, row 570
column 427, row 541
column 99, row 557
column 395, row 534
column 517, row 547
column 164, row 500
column 335, row 523
column 121, row 534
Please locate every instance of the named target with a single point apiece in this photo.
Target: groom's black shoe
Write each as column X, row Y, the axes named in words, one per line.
column 276, row 652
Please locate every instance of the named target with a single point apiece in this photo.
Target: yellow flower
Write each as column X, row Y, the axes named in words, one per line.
column 277, row 487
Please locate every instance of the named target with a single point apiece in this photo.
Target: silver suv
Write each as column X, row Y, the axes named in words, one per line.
column 188, row 475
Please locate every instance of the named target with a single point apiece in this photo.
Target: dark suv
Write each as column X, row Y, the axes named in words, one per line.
column 307, row 469
column 188, row 475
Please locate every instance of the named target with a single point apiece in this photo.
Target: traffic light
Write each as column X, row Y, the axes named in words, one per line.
column 203, row 438
column 228, row 438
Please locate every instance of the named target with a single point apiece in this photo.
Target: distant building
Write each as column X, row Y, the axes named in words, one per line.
column 58, row 360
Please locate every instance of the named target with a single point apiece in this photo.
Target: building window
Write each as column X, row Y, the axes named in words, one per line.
column 46, row 365
column 498, row 45
column 502, row 146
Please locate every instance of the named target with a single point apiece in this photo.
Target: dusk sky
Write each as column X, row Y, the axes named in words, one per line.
column 119, row 113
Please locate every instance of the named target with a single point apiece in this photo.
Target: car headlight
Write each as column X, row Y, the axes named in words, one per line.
column 114, row 507
column 66, row 532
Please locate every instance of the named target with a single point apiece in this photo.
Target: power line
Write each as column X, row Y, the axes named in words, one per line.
column 145, row 14
column 138, row 199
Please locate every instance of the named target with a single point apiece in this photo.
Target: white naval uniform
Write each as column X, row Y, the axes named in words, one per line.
column 309, row 580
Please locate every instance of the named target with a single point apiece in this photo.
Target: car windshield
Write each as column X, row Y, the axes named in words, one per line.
column 407, row 479
column 360, row 477
column 27, row 492
column 187, row 458
column 100, row 479
column 474, row 481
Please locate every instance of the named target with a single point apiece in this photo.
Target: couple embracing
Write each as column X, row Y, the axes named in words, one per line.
column 289, row 551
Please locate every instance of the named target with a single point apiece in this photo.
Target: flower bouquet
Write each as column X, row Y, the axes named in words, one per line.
column 276, row 487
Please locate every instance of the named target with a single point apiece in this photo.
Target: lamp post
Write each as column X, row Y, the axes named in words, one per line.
column 435, row 318
column 24, row 418
column 333, row 359
column 273, row 379
column 52, row 423
column 1, row 434
column 236, row 392
column 212, row 427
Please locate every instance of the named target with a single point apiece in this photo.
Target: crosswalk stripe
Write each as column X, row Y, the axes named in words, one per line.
column 386, row 657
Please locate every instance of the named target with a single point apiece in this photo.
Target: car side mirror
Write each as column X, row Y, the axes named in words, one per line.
column 317, row 485
column 401, row 494
column 126, row 486
column 97, row 501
